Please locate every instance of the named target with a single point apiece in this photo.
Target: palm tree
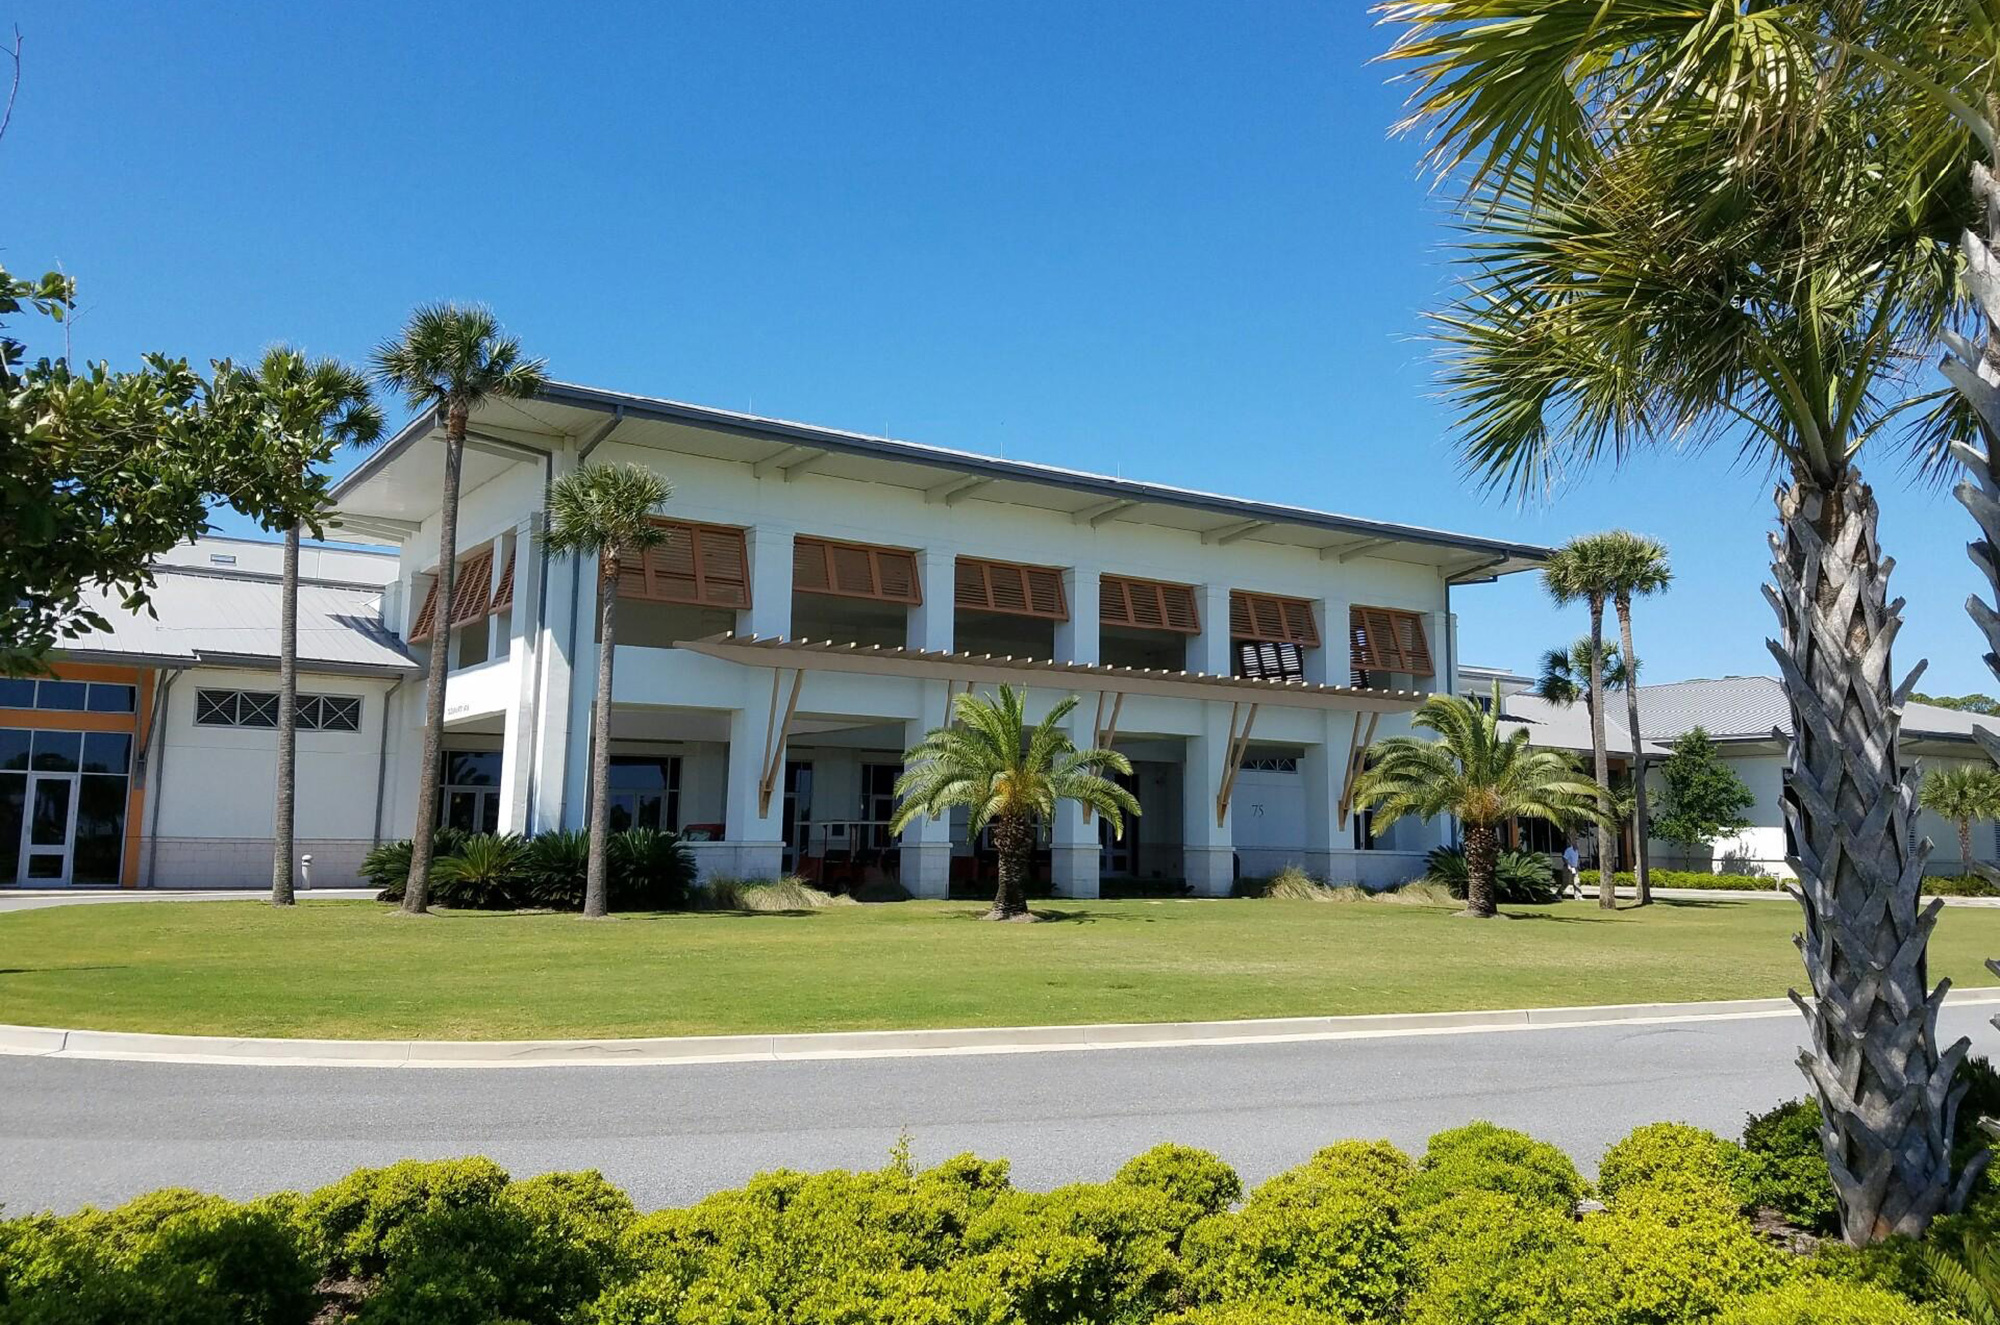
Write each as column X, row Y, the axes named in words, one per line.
column 1005, row 775
column 1580, row 571
column 1962, row 795
column 606, row 510
column 1471, row 773
column 1639, row 569
column 449, row 359
column 314, row 407
column 1646, row 273
column 1565, row 682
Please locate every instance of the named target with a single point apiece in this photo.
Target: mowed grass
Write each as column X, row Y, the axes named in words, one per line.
column 355, row 970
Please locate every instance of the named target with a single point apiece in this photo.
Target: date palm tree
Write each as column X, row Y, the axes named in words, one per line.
column 1479, row 778
column 450, row 359
column 1962, row 796
column 1580, row 571
column 1639, row 569
column 311, row 407
column 1645, row 272
column 605, row 510
column 1010, row 776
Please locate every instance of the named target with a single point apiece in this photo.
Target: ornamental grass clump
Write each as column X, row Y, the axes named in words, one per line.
column 790, row 893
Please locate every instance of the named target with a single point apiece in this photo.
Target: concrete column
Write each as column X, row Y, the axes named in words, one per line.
column 1077, row 639
column 562, row 623
column 926, row 844
column 1073, row 843
column 582, row 694
column 1332, row 663
column 517, row 759
column 931, row 621
column 1442, row 627
column 1323, row 768
column 755, row 836
column 770, row 610
column 1209, row 651
column 1208, row 848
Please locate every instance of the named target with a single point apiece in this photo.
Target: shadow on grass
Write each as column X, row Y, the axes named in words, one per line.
column 50, row 970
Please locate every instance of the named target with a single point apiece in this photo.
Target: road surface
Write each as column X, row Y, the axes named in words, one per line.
column 76, row 1132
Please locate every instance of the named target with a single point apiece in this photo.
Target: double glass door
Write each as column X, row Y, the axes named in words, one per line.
column 48, row 830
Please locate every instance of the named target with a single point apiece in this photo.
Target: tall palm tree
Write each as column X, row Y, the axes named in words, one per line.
column 1565, row 682
column 607, row 510
column 1961, row 796
column 1478, row 777
column 449, row 360
column 1580, row 571
column 312, row 407
column 1011, row 777
column 1639, row 569
column 1647, row 273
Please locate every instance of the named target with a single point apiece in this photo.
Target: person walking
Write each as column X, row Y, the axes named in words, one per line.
column 1572, row 863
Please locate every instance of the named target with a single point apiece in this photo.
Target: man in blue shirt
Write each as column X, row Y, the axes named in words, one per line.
column 1571, row 864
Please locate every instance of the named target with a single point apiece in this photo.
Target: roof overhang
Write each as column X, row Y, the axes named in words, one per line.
column 930, row 665
column 394, row 488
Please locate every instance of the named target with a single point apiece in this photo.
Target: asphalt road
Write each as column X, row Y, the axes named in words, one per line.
column 76, row 1132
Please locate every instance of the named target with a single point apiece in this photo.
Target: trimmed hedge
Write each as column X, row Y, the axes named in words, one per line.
column 1482, row 1229
column 1701, row 879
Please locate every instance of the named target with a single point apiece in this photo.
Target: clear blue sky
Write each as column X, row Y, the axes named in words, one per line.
column 1166, row 240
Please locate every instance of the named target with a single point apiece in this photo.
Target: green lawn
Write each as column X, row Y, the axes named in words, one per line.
column 354, row 970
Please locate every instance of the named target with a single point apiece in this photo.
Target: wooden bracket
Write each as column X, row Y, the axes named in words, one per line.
column 775, row 736
column 1357, row 755
column 1239, row 745
column 1103, row 733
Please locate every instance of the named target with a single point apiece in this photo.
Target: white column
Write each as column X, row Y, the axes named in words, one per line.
column 1332, row 662
column 563, row 623
column 582, row 695
column 1073, row 842
column 1329, row 846
column 926, row 844
column 931, row 621
column 1077, row 639
column 1442, row 628
column 1209, row 651
column 770, row 610
column 755, row 833
column 517, row 759
column 1208, row 848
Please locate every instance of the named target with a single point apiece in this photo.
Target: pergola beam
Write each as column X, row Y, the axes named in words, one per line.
column 1232, row 760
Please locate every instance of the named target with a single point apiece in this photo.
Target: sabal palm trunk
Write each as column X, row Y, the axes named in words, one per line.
column 1641, row 820
column 1965, row 846
column 1607, row 894
column 416, row 897
column 1013, row 845
column 1482, row 863
column 597, row 880
column 283, row 816
column 1885, row 1089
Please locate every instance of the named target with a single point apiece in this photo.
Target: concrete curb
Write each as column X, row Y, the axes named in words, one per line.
column 123, row 1046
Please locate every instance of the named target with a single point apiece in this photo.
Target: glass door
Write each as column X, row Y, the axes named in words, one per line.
column 50, row 828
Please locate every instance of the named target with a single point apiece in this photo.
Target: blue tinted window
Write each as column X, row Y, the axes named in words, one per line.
column 65, row 696
column 16, row 694
column 111, row 698
column 14, row 754
column 58, row 752
column 107, row 752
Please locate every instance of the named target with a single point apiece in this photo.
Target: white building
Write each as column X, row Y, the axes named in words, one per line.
column 824, row 594
column 1750, row 723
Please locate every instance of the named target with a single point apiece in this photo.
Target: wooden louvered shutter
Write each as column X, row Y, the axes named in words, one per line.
column 426, row 620
column 472, row 590
column 1269, row 619
column 698, row 564
column 504, row 595
column 1147, row 605
column 1011, row 589
column 1387, row 639
column 723, row 565
column 855, row 570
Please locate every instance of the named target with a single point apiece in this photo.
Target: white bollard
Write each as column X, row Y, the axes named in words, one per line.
column 306, row 871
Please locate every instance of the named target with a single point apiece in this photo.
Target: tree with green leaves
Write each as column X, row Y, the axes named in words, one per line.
column 315, row 406
column 1011, row 777
column 102, row 471
column 1962, row 795
column 1688, row 228
column 1702, row 799
column 1638, row 568
column 605, row 511
column 1985, row 705
column 1580, row 571
column 448, row 361
column 1564, row 679
column 1476, row 776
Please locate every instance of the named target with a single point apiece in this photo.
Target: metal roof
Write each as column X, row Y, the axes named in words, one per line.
column 231, row 619
column 566, row 411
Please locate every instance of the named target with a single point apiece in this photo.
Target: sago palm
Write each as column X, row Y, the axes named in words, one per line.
column 1646, row 275
column 1962, row 796
column 312, row 408
column 1478, row 777
column 606, row 511
column 449, row 359
column 1004, row 774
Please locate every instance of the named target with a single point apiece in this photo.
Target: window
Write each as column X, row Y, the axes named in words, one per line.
column 258, row 708
column 701, row 564
column 1268, row 619
column 645, row 792
column 1387, row 639
column 73, row 786
column 1011, row 590
column 1272, row 764
column 471, row 794
column 1271, row 662
column 855, row 570
column 1147, row 605
column 68, row 696
column 473, row 595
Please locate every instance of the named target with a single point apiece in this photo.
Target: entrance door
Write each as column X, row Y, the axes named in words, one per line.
column 48, row 834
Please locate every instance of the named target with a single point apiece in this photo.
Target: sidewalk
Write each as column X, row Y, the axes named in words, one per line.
column 32, row 899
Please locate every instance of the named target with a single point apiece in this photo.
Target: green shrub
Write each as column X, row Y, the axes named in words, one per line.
column 1668, row 1155
column 1959, row 885
column 1678, row 1255
column 1243, row 1313
column 1341, row 1257
column 554, row 868
column 1188, row 1177
column 1826, row 1302
column 387, row 866
column 1783, row 1167
column 1482, row 1157
column 1521, row 878
column 351, row 1221
column 650, row 871
column 1095, row 1252
column 1485, row 1258
column 485, row 873
column 1700, row 879
column 1373, row 1170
